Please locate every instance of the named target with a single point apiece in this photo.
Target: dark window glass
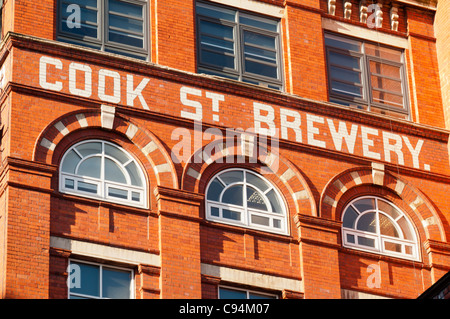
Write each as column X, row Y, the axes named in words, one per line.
column 238, row 45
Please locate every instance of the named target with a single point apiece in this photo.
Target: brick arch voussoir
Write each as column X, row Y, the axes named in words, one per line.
column 272, row 163
column 419, row 204
column 146, row 141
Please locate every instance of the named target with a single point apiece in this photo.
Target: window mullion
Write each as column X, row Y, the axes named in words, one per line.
column 367, row 84
column 244, row 200
column 103, row 20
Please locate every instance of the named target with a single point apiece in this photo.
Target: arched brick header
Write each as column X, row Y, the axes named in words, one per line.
column 107, row 119
column 415, row 202
column 272, row 164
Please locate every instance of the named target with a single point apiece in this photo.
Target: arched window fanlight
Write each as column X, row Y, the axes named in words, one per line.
column 374, row 224
column 102, row 170
column 243, row 197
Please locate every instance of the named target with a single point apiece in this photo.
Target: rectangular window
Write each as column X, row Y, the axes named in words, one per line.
column 238, row 45
column 232, row 293
column 116, row 26
column 367, row 76
column 96, row 281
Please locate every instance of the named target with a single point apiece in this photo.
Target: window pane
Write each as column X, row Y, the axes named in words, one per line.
column 86, row 14
column 345, row 75
column 90, row 167
column 364, row 204
column 126, row 23
column 388, row 209
column 225, row 293
column 377, row 67
column 87, row 187
column 255, row 199
column 259, row 40
column 88, row 277
column 366, row 241
column 217, row 59
column 228, row 214
column 350, row 216
column 214, row 190
column 261, row 69
column 126, row 38
column 406, row 229
column 270, row 25
column 256, row 181
column 260, row 220
column 215, row 211
column 387, row 228
column 70, row 162
column 113, row 172
column 232, row 177
column 116, row 153
column 89, row 3
column 342, row 43
column 116, row 283
column 367, row 222
column 90, row 148
column 274, row 202
column 69, row 183
column 351, row 238
column 216, row 29
column 84, row 30
column 345, row 60
column 233, row 195
column 135, row 196
column 383, row 52
column 277, row 223
column 381, row 83
column 393, row 247
column 125, row 8
column 119, row 193
column 408, row 250
column 135, row 176
column 346, row 89
column 215, row 12
column 216, row 44
column 387, row 98
column 268, row 56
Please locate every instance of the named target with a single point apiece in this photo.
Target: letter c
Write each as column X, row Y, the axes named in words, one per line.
column 44, row 60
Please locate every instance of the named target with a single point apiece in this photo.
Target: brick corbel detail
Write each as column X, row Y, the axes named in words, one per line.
column 319, row 242
column 179, row 233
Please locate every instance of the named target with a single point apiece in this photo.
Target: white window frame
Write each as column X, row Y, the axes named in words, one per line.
column 102, row 184
column 101, row 266
column 246, row 213
column 377, row 237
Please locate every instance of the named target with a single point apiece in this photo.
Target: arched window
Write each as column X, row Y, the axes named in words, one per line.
column 243, row 197
column 102, row 170
column 374, row 224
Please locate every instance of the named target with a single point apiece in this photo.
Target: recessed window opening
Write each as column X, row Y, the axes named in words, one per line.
column 245, row 198
column 116, row 26
column 102, row 170
column 238, row 45
column 375, row 224
column 367, row 76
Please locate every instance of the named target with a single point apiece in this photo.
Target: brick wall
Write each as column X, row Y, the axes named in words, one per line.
column 442, row 31
column 319, row 168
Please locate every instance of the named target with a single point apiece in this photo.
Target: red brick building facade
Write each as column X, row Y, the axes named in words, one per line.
column 199, row 149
